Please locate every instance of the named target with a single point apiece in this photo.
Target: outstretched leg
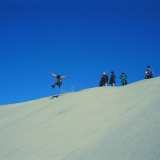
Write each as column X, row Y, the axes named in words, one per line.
column 54, row 85
column 59, row 84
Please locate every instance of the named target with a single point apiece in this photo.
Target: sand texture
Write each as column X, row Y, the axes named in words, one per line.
column 103, row 123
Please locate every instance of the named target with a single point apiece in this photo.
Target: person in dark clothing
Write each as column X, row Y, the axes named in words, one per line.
column 104, row 80
column 149, row 73
column 123, row 78
column 112, row 79
column 59, row 79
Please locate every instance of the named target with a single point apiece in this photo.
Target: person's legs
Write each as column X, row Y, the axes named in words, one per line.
column 112, row 84
column 100, row 84
column 54, row 84
column 59, row 84
column 149, row 76
column 104, row 83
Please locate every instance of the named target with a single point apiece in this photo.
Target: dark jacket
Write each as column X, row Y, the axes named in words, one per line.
column 149, row 74
column 112, row 79
column 59, row 79
column 104, row 80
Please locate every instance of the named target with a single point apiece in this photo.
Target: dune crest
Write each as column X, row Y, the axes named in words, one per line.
column 104, row 123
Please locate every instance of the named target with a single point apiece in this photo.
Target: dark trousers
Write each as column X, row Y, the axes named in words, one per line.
column 102, row 83
column 57, row 83
column 124, row 83
column 148, row 76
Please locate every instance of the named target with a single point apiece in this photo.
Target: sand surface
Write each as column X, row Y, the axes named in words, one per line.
column 104, row 123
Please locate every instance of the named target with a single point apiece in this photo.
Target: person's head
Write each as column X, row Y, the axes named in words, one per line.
column 148, row 67
column 112, row 72
column 104, row 73
column 58, row 76
column 123, row 74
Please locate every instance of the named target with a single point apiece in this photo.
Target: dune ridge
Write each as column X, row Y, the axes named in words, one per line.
column 113, row 123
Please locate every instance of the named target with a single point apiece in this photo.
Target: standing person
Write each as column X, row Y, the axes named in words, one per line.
column 104, row 79
column 59, row 79
column 123, row 78
column 149, row 73
column 112, row 79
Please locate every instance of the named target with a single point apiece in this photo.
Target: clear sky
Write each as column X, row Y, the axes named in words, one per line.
column 79, row 39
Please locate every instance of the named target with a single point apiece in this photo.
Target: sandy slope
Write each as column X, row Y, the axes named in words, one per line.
column 121, row 123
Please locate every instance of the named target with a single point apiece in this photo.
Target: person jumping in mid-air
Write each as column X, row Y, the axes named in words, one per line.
column 59, row 79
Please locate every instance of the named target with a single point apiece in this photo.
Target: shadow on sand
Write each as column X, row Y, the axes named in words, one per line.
column 56, row 96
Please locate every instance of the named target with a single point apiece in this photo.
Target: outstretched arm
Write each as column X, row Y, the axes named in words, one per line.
column 53, row 74
column 64, row 76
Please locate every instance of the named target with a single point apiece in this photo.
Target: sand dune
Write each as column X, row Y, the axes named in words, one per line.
column 120, row 123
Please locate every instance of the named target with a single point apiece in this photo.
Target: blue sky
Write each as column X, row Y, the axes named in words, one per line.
column 80, row 39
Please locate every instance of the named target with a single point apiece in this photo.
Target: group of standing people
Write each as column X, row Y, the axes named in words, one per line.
column 112, row 81
column 123, row 77
column 104, row 78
